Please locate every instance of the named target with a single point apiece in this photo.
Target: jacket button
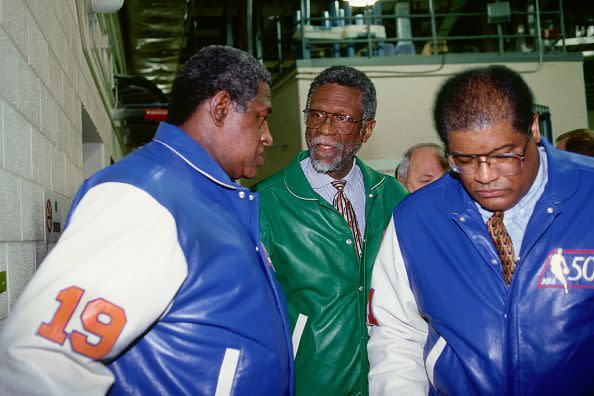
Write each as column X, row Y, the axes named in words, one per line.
column 349, row 242
column 242, row 194
column 462, row 219
column 251, row 197
column 360, row 288
column 549, row 210
column 370, row 195
column 494, row 261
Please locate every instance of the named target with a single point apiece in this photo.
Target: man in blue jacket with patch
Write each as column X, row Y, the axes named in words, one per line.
column 159, row 284
column 471, row 294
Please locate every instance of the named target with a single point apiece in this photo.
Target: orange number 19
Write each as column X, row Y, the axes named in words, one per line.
column 99, row 317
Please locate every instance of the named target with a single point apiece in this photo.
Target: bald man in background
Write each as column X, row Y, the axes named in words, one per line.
column 579, row 141
column 421, row 164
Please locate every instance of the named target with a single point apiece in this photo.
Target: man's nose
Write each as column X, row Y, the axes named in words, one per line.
column 326, row 127
column 485, row 173
column 266, row 135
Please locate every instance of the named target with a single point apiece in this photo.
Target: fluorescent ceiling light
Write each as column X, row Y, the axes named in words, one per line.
column 361, row 3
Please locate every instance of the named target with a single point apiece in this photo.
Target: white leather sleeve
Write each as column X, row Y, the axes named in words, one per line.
column 120, row 253
column 395, row 346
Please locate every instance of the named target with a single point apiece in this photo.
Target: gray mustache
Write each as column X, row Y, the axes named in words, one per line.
column 322, row 140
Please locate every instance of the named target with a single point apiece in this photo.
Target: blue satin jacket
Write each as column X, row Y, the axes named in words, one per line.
column 230, row 306
column 535, row 337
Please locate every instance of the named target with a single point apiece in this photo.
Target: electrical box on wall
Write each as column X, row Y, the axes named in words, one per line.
column 53, row 206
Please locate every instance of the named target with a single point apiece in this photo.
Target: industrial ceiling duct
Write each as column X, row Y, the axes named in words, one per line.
column 106, row 6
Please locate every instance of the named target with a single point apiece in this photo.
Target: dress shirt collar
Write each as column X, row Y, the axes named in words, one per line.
column 319, row 180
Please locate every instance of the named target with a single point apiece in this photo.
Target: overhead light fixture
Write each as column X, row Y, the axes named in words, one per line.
column 361, row 3
column 106, row 6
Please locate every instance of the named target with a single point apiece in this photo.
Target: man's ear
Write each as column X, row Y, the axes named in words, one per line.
column 369, row 125
column 220, row 105
column 535, row 128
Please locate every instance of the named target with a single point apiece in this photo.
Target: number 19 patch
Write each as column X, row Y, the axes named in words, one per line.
column 102, row 319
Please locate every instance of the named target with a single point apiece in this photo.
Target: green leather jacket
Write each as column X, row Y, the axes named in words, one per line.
column 326, row 283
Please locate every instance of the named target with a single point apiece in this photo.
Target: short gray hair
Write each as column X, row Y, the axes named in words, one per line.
column 402, row 168
column 348, row 77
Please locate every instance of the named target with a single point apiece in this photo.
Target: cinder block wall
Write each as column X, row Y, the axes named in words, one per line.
column 44, row 82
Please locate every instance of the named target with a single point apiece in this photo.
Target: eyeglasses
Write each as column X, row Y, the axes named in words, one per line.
column 507, row 164
column 343, row 124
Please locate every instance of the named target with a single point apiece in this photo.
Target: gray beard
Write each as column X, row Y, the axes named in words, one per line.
column 321, row 165
column 324, row 167
column 337, row 162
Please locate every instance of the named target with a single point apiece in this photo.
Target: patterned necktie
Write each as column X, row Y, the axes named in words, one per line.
column 344, row 207
column 503, row 243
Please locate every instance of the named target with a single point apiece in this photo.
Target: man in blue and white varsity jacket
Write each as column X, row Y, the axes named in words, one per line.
column 159, row 284
column 484, row 284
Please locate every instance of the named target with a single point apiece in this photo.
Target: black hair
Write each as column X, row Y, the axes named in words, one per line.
column 477, row 98
column 213, row 69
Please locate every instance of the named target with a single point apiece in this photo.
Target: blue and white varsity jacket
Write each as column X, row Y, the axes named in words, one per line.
column 445, row 323
column 159, row 285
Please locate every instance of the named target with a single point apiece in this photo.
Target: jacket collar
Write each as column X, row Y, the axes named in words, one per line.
column 183, row 146
column 297, row 183
column 564, row 177
column 563, row 182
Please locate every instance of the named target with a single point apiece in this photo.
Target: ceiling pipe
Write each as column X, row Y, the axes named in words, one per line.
column 361, row 3
column 250, row 30
column 106, row 6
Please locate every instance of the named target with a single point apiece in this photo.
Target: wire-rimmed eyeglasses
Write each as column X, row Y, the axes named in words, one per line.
column 507, row 164
column 344, row 124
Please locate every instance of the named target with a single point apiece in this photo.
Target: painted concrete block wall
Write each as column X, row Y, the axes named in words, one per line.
column 404, row 114
column 44, row 81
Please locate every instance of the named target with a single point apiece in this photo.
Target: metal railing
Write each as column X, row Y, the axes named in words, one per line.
column 529, row 31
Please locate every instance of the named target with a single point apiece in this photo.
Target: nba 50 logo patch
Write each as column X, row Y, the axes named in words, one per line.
column 568, row 269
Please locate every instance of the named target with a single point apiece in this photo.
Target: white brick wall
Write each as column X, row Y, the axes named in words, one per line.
column 10, row 206
column 44, row 80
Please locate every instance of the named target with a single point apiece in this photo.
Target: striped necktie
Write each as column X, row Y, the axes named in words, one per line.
column 344, row 207
column 503, row 243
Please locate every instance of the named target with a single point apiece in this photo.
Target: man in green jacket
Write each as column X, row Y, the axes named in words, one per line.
column 322, row 219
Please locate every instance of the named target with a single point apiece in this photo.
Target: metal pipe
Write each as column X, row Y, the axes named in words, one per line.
column 433, row 27
column 249, row 22
column 229, row 28
column 301, row 27
column 367, row 16
column 500, row 34
column 562, row 23
column 538, row 27
column 279, row 45
column 259, row 39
